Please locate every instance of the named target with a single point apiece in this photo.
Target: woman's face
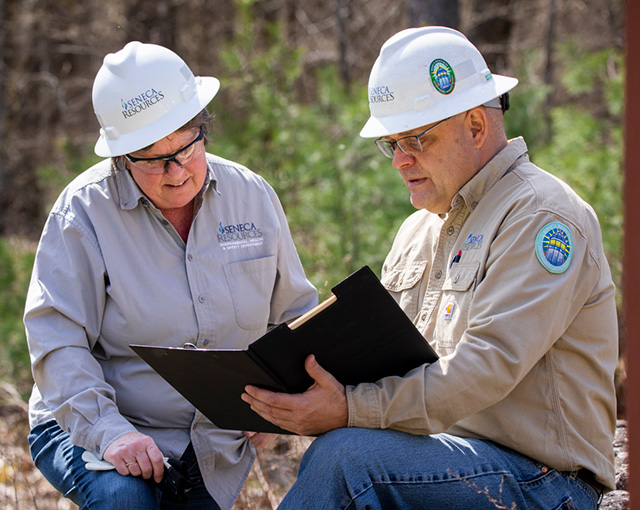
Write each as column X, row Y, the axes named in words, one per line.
column 178, row 185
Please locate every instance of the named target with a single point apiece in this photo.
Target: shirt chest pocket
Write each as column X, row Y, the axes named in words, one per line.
column 453, row 310
column 403, row 284
column 251, row 284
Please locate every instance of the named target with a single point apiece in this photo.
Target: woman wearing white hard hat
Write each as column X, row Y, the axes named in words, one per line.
column 161, row 244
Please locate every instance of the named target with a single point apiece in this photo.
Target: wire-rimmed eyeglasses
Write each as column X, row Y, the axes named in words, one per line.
column 408, row 144
column 159, row 165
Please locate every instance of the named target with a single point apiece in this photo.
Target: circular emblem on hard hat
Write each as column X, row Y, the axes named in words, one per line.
column 554, row 247
column 442, row 76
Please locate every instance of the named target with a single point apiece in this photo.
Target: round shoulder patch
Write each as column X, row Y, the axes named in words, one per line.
column 442, row 76
column 554, row 247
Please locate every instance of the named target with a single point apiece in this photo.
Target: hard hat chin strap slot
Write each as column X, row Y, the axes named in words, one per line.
column 504, row 102
column 501, row 102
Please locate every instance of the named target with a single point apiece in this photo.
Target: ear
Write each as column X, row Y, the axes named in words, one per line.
column 477, row 124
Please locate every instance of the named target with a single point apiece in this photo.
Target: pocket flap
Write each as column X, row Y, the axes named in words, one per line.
column 461, row 276
column 403, row 278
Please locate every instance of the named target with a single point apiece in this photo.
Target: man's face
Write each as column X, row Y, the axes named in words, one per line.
column 446, row 163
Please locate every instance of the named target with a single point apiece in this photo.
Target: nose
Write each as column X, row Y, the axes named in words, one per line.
column 173, row 168
column 400, row 159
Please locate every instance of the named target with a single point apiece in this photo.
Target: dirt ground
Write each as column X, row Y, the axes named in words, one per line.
column 23, row 488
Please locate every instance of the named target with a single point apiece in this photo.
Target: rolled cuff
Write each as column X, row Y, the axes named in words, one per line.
column 364, row 406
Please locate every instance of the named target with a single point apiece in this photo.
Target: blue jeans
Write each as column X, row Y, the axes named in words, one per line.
column 61, row 464
column 385, row 469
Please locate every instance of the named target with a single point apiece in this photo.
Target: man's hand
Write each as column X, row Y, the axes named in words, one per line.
column 136, row 454
column 321, row 408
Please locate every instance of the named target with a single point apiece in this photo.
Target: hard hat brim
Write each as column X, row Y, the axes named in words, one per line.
column 206, row 89
column 406, row 121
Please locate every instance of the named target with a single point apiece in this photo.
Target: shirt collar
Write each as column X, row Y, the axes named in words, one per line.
column 478, row 186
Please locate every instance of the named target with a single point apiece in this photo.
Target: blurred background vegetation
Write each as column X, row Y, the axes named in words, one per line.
column 293, row 100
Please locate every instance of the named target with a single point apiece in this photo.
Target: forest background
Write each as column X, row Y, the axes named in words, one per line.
column 293, row 100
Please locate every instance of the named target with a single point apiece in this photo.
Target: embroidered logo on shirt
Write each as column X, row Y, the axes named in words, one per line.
column 473, row 242
column 240, row 235
column 448, row 311
column 554, row 247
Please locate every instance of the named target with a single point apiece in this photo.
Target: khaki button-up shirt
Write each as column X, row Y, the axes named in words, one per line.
column 111, row 271
column 528, row 343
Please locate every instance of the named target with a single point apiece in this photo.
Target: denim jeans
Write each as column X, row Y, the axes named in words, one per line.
column 61, row 464
column 385, row 469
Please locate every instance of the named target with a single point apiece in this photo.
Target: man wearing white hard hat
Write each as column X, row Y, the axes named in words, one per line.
column 160, row 244
column 502, row 269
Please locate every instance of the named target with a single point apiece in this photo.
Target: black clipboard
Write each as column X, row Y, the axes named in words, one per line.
column 359, row 334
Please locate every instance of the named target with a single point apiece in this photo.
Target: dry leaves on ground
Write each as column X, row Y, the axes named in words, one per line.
column 23, row 488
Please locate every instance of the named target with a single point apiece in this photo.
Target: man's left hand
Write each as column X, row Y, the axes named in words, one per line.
column 321, row 408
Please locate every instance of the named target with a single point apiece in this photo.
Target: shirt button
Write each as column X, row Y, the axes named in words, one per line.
column 165, row 222
column 424, row 317
column 201, row 299
column 189, row 257
column 451, row 230
column 205, row 341
column 438, row 274
column 455, row 280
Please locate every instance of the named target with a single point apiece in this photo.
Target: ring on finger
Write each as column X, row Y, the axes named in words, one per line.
column 127, row 464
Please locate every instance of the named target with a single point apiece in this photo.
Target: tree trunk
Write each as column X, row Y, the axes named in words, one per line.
column 434, row 12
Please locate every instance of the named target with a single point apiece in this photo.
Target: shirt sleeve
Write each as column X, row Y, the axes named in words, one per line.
column 63, row 316
column 516, row 313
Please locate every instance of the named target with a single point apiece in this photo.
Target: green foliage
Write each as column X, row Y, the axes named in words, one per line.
column 15, row 269
column 528, row 100
column 343, row 199
column 52, row 178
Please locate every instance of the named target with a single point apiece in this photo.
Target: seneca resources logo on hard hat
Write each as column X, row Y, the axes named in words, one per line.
column 141, row 102
column 442, row 76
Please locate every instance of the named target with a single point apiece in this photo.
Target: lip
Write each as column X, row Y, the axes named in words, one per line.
column 176, row 186
column 415, row 182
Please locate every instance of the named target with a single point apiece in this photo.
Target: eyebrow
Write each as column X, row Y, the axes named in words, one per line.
column 149, row 147
column 405, row 134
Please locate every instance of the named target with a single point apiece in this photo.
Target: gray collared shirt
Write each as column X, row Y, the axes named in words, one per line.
column 111, row 271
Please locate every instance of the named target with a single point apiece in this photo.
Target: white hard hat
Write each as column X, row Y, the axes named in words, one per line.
column 424, row 75
column 143, row 93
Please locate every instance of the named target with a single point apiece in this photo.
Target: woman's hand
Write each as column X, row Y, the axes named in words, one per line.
column 136, row 454
column 260, row 439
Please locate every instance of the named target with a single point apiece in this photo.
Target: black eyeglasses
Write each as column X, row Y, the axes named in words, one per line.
column 408, row 144
column 159, row 165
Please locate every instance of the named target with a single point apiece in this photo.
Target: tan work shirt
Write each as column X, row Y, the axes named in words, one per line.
column 111, row 271
column 524, row 321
